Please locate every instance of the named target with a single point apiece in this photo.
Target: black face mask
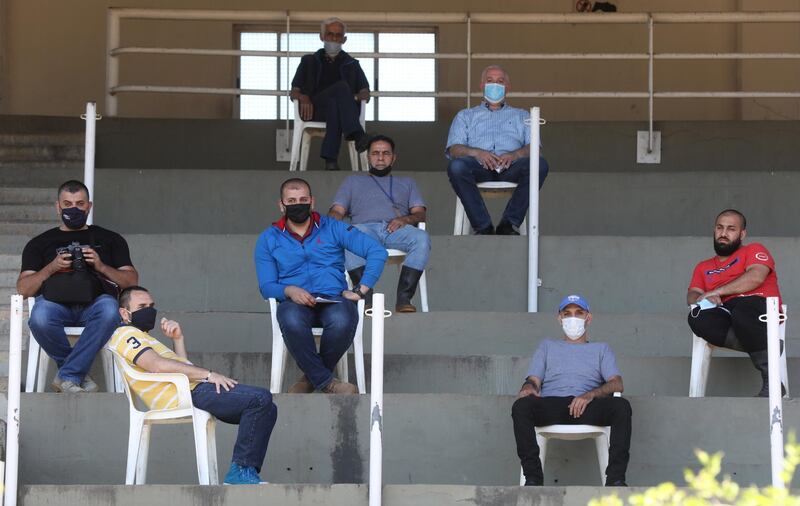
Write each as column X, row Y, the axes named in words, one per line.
column 144, row 319
column 726, row 250
column 74, row 218
column 298, row 213
column 380, row 172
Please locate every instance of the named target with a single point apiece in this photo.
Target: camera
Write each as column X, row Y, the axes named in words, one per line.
column 76, row 251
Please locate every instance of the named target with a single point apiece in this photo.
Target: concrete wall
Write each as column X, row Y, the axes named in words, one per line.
column 569, row 146
column 311, row 495
column 56, row 58
column 428, row 439
column 216, row 272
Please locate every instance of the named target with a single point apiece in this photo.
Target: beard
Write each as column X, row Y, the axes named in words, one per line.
column 726, row 250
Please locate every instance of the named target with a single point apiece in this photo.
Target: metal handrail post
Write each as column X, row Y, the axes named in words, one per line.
column 376, row 401
column 13, row 415
column 469, row 58
column 533, row 214
column 88, row 154
column 775, row 396
column 112, row 62
column 650, row 83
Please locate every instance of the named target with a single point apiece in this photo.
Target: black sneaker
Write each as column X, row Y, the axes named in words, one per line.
column 505, row 228
column 331, row 165
column 616, row 483
column 485, row 231
column 533, row 483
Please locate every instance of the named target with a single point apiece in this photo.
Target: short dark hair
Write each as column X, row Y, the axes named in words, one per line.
column 294, row 183
column 125, row 296
column 734, row 212
column 380, row 138
column 72, row 186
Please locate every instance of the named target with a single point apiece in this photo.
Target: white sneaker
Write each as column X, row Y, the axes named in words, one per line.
column 88, row 384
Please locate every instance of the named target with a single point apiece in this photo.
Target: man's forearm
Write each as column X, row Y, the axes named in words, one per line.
column 414, row 218
column 194, row 373
column 28, row 286
column 750, row 280
column 522, row 152
column 295, row 94
column 460, row 150
column 608, row 388
column 124, row 278
column 179, row 347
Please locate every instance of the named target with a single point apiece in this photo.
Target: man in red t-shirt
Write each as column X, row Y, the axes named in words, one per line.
column 728, row 292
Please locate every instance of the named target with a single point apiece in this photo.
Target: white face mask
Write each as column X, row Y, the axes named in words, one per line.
column 573, row 327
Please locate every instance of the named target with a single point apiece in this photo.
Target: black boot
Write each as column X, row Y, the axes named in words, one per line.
column 759, row 359
column 355, row 277
column 406, row 288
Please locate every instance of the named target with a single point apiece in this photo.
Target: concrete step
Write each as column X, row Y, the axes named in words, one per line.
column 616, row 274
column 463, row 332
column 303, row 495
column 730, row 376
column 9, row 262
column 39, row 174
column 40, row 153
column 638, row 203
column 71, row 139
column 12, row 245
column 428, row 439
column 27, row 196
column 8, row 278
column 22, row 213
column 25, row 228
column 300, row 495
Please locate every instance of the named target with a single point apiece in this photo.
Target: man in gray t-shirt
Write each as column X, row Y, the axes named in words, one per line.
column 572, row 381
column 388, row 208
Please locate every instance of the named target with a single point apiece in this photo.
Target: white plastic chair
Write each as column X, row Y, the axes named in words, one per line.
column 488, row 190
column 141, row 421
column 303, row 131
column 397, row 257
column 39, row 361
column 701, row 360
column 600, row 434
column 279, row 353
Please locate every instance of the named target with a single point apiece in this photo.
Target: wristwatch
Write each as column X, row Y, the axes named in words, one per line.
column 359, row 293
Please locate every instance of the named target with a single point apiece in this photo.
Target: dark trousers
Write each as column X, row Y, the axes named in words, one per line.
column 336, row 106
column 466, row 172
column 249, row 407
column 741, row 315
column 529, row 412
column 338, row 322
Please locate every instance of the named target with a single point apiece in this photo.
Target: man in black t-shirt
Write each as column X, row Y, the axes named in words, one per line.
column 72, row 293
column 329, row 86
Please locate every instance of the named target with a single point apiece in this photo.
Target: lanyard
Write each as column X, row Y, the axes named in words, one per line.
column 390, row 193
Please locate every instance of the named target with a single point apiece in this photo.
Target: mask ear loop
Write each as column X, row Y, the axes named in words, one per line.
column 692, row 309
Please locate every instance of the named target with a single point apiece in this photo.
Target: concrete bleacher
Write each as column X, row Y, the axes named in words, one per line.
column 627, row 240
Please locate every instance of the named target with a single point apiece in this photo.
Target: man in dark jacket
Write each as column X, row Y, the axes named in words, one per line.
column 300, row 262
column 329, row 85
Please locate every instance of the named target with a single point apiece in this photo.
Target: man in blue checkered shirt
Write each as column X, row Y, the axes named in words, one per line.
column 491, row 142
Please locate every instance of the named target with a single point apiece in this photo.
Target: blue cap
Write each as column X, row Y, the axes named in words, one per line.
column 573, row 299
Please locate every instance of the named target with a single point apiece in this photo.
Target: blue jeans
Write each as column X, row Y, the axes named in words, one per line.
column 466, row 172
column 415, row 242
column 99, row 319
column 339, row 322
column 249, row 407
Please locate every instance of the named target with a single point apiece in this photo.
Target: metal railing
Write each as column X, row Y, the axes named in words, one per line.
column 376, row 400
column 647, row 152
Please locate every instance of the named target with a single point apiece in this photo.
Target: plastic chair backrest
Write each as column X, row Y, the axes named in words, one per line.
column 180, row 381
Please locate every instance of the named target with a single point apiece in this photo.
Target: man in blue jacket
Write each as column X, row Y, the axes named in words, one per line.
column 329, row 85
column 300, row 262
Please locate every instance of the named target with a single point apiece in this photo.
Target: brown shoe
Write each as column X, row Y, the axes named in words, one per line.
column 338, row 387
column 302, row 386
column 405, row 308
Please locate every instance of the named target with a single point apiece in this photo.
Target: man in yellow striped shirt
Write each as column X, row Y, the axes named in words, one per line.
column 249, row 407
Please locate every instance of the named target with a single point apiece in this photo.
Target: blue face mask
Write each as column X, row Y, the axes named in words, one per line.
column 700, row 305
column 494, row 93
